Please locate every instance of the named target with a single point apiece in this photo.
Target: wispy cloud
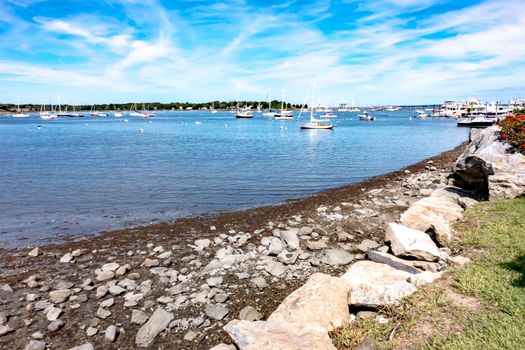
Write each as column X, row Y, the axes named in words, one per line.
column 398, row 51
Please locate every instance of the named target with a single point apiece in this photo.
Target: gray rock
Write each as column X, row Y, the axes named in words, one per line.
column 156, row 324
column 223, row 346
column 107, row 303
column 275, row 247
column 55, row 325
column 4, row 329
column 216, row 311
column 59, row 296
column 202, row 244
column 287, row 258
column 249, row 313
column 111, row 333
column 104, row 275
column 395, row 262
column 190, row 336
column 116, row 290
column 290, row 238
column 458, row 260
column 37, row 336
column 305, row 231
column 259, row 282
column 317, row 245
column 336, row 257
column 405, row 241
column 53, row 313
column 91, row 331
column 275, row 268
column 87, row 346
column 103, row 313
column 214, row 281
column 138, row 317
column 42, row 305
column 3, row 318
column 151, row 262
column 366, row 245
column 221, row 298
column 34, row 253
column 66, row 258
column 36, row 345
column 110, row 266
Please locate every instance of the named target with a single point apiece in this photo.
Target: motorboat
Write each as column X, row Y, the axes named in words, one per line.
column 366, row 116
column 283, row 115
column 244, row 114
column 477, row 122
column 328, row 115
column 422, row 115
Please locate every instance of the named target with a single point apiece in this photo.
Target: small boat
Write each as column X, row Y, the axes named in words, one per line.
column 476, row 122
column 19, row 114
column 283, row 114
column 421, row 115
column 328, row 115
column 316, row 123
column 366, row 116
column 244, row 115
column 117, row 114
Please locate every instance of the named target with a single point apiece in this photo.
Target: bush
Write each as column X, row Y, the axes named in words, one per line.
column 513, row 132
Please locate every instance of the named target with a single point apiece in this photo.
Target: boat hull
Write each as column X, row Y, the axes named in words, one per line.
column 317, row 126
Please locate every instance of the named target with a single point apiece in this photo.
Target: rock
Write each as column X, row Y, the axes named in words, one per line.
column 249, row 313
column 111, row 333
column 488, row 167
column 110, row 266
column 223, row 346
column 87, row 346
column 66, row 258
column 151, row 262
column 91, row 331
column 271, row 335
column 366, row 315
column 34, row 253
column 107, row 303
column 214, row 281
column 458, row 260
column 276, row 246
column 423, row 278
column 3, row 318
column 190, row 336
column 138, row 317
column 305, row 231
column 77, row 252
column 53, row 313
column 316, row 245
column 104, row 275
column 290, row 238
column 55, row 325
column 42, row 305
column 103, row 313
column 116, row 290
column 374, row 284
column 122, row 270
column 5, row 329
column 395, row 262
column 275, row 268
column 259, row 282
column 336, row 257
column 366, row 344
column 156, row 324
column 216, row 311
column 287, row 258
column 221, row 298
column 59, row 296
column 37, row 336
column 322, row 299
column 36, row 345
column 441, row 231
column 366, row 245
column 405, row 241
column 202, row 244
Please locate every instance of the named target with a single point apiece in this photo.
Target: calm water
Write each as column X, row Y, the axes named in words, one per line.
column 86, row 175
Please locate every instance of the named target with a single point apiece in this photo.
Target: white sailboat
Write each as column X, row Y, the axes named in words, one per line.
column 19, row 114
column 323, row 124
column 269, row 112
column 242, row 114
column 283, row 114
column 213, row 110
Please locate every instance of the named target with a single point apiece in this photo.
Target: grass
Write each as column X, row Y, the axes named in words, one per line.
column 481, row 306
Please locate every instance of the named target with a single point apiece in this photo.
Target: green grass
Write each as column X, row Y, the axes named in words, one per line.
column 491, row 311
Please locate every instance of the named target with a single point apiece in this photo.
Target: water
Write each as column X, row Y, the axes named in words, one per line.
column 85, row 175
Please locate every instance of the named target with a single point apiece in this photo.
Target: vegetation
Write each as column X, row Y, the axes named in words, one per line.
column 513, row 131
column 481, row 306
column 275, row 104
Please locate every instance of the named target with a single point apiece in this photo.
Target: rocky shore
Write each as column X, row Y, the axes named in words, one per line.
column 177, row 285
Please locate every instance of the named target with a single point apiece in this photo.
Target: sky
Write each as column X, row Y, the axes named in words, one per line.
column 358, row 52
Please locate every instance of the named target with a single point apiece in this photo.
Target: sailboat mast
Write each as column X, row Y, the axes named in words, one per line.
column 313, row 99
column 282, row 100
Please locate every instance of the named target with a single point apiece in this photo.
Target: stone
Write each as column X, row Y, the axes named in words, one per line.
column 103, row 313
column 151, row 262
column 110, row 266
column 111, row 333
column 458, row 260
column 275, row 268
column 190, row 336
column 104, row 275
column 316, row 245
column 37, row 336
column 158, row 322
column 223, row 346
column 35, row 345
column 394, row 261
column 91, row 331
column 202, row 244
column 214, row 281
column 322, row 299
column 55, row 325
column 42, row 305
column 366, row 245
column 276, row 246
column 77, row 252
column 138, row 317
column 53, row 313
column 305, row 231
column 336, row 257
column 4, row 329
column 405, row 241
column 216, row 311
column 116, row 290
column 489, row 167
column 249, row 313
column 259, row 282
column 122, row 270
column 35, row 252
column 221, row 298
column 271, row 335
column 290, row 238
column 374, row 284
column 59, row 296
column 287, row 258
column 86, row 346
column 165, row 300
column 423, row 278
column 66, row 258
column 3, row 318
column 107, row 303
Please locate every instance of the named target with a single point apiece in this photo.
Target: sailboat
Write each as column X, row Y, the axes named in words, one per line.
column 213, row 110
column 47, row 115
column 283, row 114
column 242, row 114
column 269, row 113
column 19, row 114
column 316, row 123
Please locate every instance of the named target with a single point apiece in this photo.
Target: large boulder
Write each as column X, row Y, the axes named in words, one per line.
column 282, row 335
column 405, row 241
column 374, row 284
column 323, row 299
column 489, row 167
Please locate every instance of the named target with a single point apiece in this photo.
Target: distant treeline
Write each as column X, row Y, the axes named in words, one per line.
column 275, row 104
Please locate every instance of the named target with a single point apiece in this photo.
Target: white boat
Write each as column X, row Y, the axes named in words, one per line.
column 316, row 123
column 283, row 114
column 481, row 121
column 244, row 113
column 328, row 115
column 47, row 115
column 117, row 114
column 366, row 116
column 213, row 110
column 19, row 114
column 421, row 115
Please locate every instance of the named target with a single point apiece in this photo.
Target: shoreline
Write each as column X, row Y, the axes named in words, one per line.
column 345, row 217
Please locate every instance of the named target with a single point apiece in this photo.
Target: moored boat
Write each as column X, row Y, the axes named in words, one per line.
column 366, row 116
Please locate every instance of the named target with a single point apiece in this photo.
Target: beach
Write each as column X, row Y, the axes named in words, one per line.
column 225, row 260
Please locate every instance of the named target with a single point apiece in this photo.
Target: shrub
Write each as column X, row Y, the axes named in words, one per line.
column 513, row 132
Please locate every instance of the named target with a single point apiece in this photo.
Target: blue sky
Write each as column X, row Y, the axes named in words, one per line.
column 365, row 52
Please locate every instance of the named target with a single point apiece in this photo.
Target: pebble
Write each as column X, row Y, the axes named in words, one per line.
column 91, row 331
column 151, row 262
column 103, row 313
column 35, row 345
column 190, row 336
column 59, row 296
column 111, row 333
column 35, row 252
column 216, row 311
column 5, row 329
column 214, row 281
column 86, row 346
column 55, row 325
column 105, row 275
column 107, row 303
column 249, row 313
column 53, row 313
column 138, row 317
column 110, row 266
column 66, row 258
column 37, row 336
column 3, row 318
